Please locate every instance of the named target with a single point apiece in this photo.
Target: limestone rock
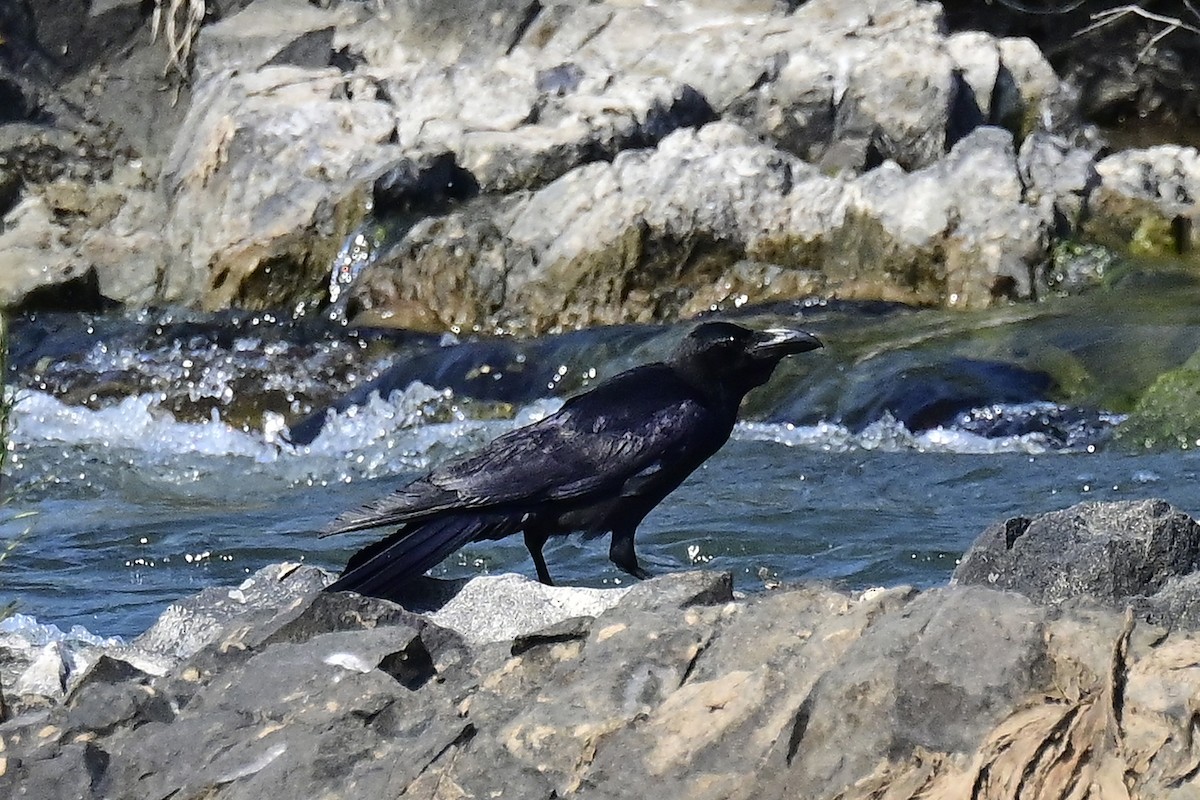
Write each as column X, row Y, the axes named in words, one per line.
column 189, row 624
column 1146, row 200
column 656, row 232
column 260, row 198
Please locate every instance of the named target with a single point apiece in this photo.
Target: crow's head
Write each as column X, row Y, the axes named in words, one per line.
column 738, row 358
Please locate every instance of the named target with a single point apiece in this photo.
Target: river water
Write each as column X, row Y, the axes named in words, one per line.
column 150, row 455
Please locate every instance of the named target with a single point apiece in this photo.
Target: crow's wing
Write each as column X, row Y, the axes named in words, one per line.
column 635, row 424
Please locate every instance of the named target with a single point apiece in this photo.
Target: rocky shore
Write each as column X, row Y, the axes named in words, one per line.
column 618, row 161
column 1062, row 661
column 513, row 166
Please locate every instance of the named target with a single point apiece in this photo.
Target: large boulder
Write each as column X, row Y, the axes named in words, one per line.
column 713, row 217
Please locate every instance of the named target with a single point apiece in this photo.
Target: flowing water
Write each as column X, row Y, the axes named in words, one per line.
column 151, row 457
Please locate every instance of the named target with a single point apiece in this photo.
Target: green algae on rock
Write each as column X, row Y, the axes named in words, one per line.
column 1167, row 415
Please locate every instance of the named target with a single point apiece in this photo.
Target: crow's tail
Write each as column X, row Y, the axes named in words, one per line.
column 384, row 566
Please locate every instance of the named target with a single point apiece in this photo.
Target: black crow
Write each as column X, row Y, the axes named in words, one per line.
column 597, row 465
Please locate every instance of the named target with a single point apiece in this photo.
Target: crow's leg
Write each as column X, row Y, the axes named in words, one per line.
column 534, row 540
column 621, row 553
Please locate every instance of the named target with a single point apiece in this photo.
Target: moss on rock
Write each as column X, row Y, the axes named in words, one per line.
column 1136, row 226
column 1167, row 415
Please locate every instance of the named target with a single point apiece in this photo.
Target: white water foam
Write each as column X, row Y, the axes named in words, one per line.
column 889, row 435
column 408, row 432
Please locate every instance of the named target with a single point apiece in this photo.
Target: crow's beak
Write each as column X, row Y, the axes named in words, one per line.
column 779, row 342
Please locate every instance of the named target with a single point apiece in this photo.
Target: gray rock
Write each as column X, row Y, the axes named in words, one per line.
column 1111, row 552
column 1176, row 603
column 677, row 230
column 250, row 184
column 875, row 83
column 796, row 692
column 1058, row 175
column 900, row 688
column 528, row 606
column 46, row 675
column 189, row 624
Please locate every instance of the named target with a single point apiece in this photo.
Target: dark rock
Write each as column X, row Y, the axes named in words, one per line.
column 72, row 770
column 312, row 49
column 107, row 670
column 926, row 395
column 1111, row 552
column 106, row 705
column 569, row 630
column 1062, row 427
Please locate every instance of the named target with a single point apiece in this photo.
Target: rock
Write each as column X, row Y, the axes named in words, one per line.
column 645, row 237
column 189, row 624
column 46, row 675
column 1146, row 201
column 1167, row 415
column 274, row 146
column 1056, row 174
column 899, row 689
column 41, row 662
column 1008, row 83
column 1113, row 553
column 529, row 606
column 802, row 691
column 545, row 91
column 969, row 211
column 924, row 395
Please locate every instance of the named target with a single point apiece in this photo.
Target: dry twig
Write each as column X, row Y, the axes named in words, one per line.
column 180, row 20
column 1170, row 24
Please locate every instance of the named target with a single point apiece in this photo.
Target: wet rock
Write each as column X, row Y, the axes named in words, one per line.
column 1167, row 415
column 928, row 395
column 1113, row 553
column 1146, row 201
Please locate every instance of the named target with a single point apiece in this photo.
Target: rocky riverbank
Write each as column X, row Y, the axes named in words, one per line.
column 617, row 162
column 961, row 691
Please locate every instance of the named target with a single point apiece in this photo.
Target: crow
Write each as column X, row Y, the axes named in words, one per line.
column 598, row 465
